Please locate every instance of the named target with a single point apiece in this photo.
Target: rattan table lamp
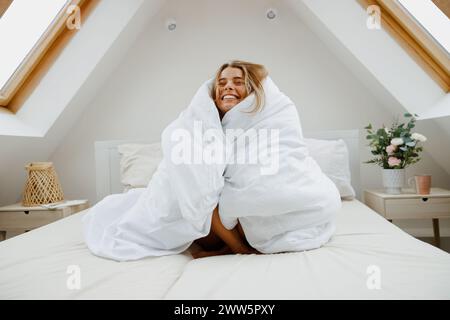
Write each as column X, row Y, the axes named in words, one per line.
column 42, row 186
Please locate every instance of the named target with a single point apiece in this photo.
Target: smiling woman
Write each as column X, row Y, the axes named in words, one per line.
column 230, row 89
column 234, row 81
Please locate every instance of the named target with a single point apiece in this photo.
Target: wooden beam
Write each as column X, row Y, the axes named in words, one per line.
column 444, row 6
column 47, row 58
column 4, row 5
column 415, row 42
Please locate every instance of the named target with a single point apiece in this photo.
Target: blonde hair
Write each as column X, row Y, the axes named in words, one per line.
column 254, row 74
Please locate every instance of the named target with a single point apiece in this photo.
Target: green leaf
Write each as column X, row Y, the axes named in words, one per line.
column 408, row 115
column 380, row 132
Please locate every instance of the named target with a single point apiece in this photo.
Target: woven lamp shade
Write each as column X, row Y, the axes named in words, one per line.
column 42, row 185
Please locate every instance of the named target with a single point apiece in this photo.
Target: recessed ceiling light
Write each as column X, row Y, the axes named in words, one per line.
column 171, row 24
column 271, row 14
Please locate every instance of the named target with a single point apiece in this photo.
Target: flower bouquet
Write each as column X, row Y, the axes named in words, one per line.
column 394, row 149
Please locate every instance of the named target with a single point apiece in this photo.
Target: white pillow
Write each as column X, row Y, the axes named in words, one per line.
column 332, row 157
column 138, row 163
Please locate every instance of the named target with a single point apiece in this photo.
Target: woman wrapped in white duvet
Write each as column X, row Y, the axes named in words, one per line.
column 290, row 209
column 276, row 200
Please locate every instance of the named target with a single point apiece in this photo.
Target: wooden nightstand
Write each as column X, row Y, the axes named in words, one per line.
column 16, row 219
column 410, row 205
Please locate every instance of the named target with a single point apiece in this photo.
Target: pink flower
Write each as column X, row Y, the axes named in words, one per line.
column 393, row 161
column 390, row 149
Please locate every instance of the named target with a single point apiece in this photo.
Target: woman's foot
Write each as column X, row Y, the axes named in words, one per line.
column 199, row 253
column 243, row 249
column 204, row 253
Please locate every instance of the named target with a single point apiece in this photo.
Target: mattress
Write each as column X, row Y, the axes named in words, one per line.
column 42, row 264
column 367, row 258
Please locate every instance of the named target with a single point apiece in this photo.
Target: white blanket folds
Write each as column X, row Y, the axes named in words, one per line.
column 267, row 181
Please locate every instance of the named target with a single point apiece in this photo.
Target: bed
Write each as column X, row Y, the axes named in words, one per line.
column 367, row 258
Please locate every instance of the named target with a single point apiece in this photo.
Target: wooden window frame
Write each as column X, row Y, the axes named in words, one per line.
column 4, row 5
column 40, row 59
column 414, row 39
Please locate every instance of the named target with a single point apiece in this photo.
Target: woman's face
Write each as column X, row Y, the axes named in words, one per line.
column 230, row 89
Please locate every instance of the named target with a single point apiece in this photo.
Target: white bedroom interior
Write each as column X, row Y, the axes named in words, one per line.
column 125, row 76
column 146, row 76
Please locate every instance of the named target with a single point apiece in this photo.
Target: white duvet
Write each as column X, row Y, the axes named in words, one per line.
column 255, row 166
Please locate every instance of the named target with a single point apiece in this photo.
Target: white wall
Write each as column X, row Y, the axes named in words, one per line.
column 21, row 141
column 382, row 64
column 163, row 69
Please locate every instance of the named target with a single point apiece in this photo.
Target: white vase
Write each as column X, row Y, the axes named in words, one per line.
column 393, row 180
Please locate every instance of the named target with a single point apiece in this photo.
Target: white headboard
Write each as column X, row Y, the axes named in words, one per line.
column 107, row 160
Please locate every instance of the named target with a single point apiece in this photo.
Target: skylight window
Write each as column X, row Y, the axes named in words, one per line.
column 432, row 19
column 24, row 24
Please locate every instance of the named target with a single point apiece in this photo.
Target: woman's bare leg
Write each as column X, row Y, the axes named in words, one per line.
column 209, row 253
column 231, row 237
column 242, row 234
column 211, row 242
column 234, row 240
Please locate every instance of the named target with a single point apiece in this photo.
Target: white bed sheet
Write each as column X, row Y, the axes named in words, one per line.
column 34, row 266
column 409, row 268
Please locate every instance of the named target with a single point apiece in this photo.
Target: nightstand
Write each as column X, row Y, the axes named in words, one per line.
column 16, row 219
column 409, row 205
